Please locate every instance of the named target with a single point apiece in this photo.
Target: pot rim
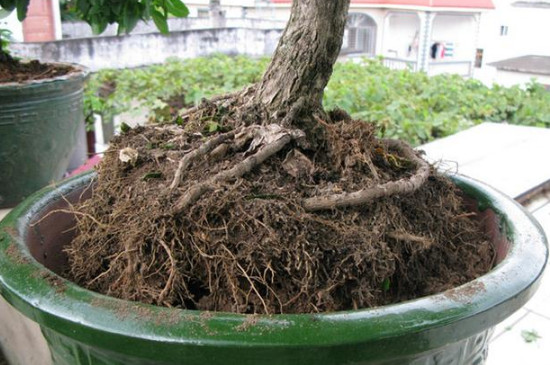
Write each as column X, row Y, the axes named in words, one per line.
column 79, row 72
column 441, row 318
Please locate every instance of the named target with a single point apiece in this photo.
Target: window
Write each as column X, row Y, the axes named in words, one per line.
column 503, row 30
column 203, row 13
column 479, row 58
column 360, row 34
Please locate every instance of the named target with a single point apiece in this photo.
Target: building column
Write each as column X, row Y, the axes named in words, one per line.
column 39, row 26
column 477, row 24
column 424, row 40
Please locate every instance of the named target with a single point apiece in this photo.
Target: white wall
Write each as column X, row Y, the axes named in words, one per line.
column 507, row 78
column 400, row 34
column 11, row 23
column 528, row 31
column 120, row 52
column 459, row 30
column 235, row 8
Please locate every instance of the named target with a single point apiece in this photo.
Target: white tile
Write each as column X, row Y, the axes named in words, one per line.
column 509, row 323
column 511, row 158
column 512, row 348
column 540, row 302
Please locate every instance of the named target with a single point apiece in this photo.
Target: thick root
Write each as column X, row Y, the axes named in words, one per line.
column 365, row 196
column 272, row 137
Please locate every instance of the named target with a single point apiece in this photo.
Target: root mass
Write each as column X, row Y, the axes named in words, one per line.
column 248, row 219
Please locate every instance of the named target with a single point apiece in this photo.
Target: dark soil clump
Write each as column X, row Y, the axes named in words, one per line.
column 15, row 71
column 249, row 244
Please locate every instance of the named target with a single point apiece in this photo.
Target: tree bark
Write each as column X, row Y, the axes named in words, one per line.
column 303, row 61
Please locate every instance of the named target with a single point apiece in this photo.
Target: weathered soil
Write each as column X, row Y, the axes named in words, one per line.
column 248, row 244
column 15, row 71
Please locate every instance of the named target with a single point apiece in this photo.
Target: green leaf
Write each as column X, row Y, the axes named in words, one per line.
column 386, row 284
column 160, row 21
column 213, row 127
column 99, row 26
column 83, row 6
column 152, row 175
column 125, row 128
column 168, row 146
column 530, row 336
column 8, row 5
column 131, row 15
column 22, row 6
column 177, row 8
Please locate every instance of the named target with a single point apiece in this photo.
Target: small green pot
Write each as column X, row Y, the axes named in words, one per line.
column 75, row 326
column 39, row 125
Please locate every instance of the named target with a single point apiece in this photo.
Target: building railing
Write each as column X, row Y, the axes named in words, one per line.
column 460, row 67
column 395, row 63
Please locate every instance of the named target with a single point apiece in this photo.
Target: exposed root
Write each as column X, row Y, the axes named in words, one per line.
column 172, row 275
column 365, row 196
column 222, row 223
column 280, row 140
column 204, row 149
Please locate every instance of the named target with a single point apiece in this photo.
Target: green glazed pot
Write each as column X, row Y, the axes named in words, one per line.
column 72, row 325
column 39, row 126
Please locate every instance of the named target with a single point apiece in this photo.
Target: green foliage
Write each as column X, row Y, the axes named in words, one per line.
column 404, row 104
column 418, row 108
column 100, row 13
column 19, row 5
column 68, row 10
column 5, row 39
column 163, row 90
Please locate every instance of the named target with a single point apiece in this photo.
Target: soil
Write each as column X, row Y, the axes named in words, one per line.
column 14, row 71
column 219, row 215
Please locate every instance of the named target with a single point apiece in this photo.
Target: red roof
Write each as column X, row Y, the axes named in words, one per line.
column 475, row 4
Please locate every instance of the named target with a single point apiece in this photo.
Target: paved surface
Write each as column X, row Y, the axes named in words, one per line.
column 524, row 338
column 511, row 158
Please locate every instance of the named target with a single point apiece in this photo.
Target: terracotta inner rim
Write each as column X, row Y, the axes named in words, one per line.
column 53, row 231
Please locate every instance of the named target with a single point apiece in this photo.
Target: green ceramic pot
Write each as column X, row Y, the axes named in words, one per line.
column 75, row 326
column 40, row 123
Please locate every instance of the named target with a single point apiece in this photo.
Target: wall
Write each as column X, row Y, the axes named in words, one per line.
column 12, row 24
column 77, row 29
column 527, row 32
column 458, row 29
column 508, row 78
column 400, row 33
column 526, row 35
column 145, row 49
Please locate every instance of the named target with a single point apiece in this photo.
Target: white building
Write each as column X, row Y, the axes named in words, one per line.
column 514, row 42
column 435, row 36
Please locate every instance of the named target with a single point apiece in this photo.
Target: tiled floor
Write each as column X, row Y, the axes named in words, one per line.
column 524, row 338
column 511, row 158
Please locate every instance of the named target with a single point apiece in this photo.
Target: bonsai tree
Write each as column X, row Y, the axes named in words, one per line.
column 273, row 202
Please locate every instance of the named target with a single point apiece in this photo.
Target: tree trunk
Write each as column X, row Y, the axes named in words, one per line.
column 303, row 61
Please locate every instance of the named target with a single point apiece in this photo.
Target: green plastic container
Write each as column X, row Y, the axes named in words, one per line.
column 39, row 125
column 76, row 326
